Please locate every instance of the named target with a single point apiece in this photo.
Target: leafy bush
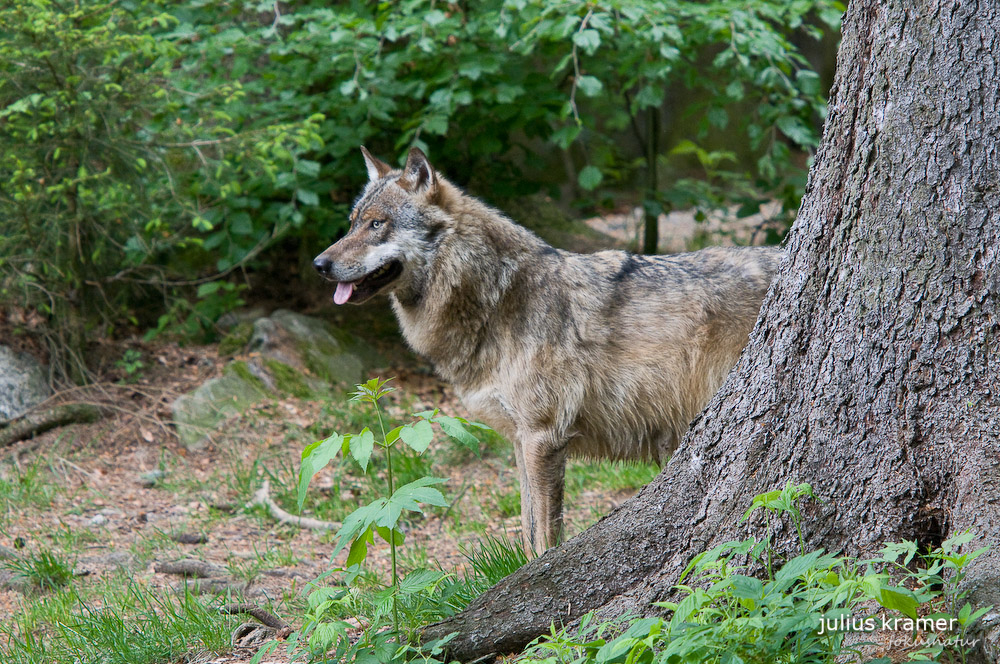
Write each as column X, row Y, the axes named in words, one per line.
column 105, row 170
column 491, row 87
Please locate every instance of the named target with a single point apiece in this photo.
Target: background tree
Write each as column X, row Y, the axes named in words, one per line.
column 873, row 371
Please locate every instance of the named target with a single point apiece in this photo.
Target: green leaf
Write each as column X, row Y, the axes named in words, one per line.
column 241, row 224
column 590, row 177
column 409, row 497
column 564, row 136
column 808, row 81
column 747, row 587
column 307, row 167
column 718, row 117
column 900, row 599
column 387, row 533
column 357, row 522
column 314, row 458
column 359, row 550
column 362, row 446
column 456, row 430
column 420, row 580
column 589, row 40
column 589, row 85
column 417, row 435
column 307, row 197
column 799, row 565
column 797, row 130
column 435, row 17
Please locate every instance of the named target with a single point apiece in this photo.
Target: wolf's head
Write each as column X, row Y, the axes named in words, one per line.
column 393, row 225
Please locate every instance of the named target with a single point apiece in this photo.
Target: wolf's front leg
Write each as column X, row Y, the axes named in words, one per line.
column 541, row 465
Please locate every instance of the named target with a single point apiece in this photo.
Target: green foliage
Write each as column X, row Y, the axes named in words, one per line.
column 45, row 570
column 113, row 173
column 146, row 153
column 472, row 83
column 131, row 365
column 733, row 608
column 391, row 612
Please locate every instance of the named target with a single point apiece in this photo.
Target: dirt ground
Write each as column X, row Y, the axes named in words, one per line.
column 123, row 494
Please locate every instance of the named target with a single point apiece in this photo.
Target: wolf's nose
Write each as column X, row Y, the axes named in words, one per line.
column 322, row 265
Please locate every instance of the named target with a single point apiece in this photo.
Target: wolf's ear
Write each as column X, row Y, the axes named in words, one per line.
column 418, row 174
column 376, row 167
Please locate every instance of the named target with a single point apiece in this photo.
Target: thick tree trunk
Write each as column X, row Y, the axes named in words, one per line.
column 874, row 370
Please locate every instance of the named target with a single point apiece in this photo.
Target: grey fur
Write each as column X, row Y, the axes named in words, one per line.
column 601, row 355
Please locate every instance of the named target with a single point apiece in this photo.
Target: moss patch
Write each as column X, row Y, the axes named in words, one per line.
column 236, row 340
column 287, row 379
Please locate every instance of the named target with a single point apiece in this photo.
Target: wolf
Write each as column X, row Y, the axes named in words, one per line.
column 606, row 355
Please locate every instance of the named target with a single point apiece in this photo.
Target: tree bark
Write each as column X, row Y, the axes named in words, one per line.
column 874, row 370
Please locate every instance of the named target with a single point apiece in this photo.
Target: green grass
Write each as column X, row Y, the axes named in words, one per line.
column 127, row 624
column 607, row 475
column 493, row 559
column 27, row 487
column 45, row 570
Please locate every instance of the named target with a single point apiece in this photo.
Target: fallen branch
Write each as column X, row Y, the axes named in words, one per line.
column 191, row 567
column 263, row 497
column 264, row 617
column 35, row 423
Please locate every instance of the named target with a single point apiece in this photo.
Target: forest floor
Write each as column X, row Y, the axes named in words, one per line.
column 115, row 500
column 90, row 513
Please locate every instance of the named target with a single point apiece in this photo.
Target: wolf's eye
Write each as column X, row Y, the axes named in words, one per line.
column 376, row 223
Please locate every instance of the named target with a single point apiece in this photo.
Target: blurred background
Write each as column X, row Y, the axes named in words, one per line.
column 164, row 163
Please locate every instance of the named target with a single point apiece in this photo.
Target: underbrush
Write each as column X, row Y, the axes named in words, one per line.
column 737, row 604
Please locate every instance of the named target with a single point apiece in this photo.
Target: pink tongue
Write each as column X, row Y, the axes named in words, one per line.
column 344, row 290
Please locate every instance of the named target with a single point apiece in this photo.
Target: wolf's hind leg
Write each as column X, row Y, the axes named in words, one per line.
column 541, row 465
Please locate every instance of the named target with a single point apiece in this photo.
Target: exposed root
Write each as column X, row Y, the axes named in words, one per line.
column 263, row 497
column 35, row 423
column 191, row 567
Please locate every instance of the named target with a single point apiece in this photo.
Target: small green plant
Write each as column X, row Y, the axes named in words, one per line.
column 491, row 561
column 44, row 570
column 734, row 606
column 388, row 611
column 131, row 363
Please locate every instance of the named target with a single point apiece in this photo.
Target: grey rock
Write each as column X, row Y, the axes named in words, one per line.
column 23, row 383
column 312, row 346
column 289, row 354
column 99, row 520
column 197, row 413
column 151, row 478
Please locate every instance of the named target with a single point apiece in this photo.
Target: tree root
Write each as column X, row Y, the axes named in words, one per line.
column 34, row 423
column 263, row 497
column 191, row 567
column 264, row 617
column 252, row 635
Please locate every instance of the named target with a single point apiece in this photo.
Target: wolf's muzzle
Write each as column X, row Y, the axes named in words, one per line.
column 323, row 265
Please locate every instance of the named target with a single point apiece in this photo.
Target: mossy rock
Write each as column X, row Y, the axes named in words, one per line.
column 313, row 346
column 286, row 355
column 198, row 413
column 236, row 339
